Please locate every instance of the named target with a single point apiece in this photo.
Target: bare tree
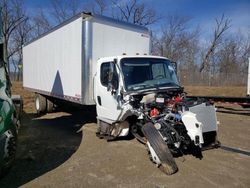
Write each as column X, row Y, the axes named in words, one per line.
column 60, row 11
column 135, row 12
column 41, row 24
column 12, row 16
column 131, row 11
column 99, row 6
column 222, row 25
column 244, row 51
column 20, row 36
column 64, row 9
column 178, row 42
column 227, row 62
column 228, row 55
column 242, row 41
column 171, row 32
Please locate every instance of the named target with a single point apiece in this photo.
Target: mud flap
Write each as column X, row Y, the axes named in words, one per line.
column 163, row 157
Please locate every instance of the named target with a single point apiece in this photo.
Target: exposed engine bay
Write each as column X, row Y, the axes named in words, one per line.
column 169, row 124
column 181, row 121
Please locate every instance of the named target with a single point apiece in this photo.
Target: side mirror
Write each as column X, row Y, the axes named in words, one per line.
column 112, row 78
column 174, row 65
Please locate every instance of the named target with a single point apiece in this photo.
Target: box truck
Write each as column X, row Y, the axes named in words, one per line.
column 96, row 60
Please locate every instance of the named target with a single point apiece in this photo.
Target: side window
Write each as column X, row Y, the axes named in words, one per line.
column 105, row 74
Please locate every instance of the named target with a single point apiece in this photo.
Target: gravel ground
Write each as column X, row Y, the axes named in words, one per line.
column 61, row 150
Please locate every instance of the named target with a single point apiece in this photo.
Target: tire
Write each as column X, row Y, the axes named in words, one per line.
column 18, row 103
column 50, row 105
column 160, row 148
column 9, row 160
column 40, row 104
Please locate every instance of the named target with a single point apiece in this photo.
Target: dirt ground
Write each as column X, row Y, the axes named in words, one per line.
column 60, row 149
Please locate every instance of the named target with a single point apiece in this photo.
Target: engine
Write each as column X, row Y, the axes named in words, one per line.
column 171, row 114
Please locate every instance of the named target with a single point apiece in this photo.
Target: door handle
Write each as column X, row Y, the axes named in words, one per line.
column 99, row 100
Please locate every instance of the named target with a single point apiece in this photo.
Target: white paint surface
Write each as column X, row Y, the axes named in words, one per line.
column 190, row 121
column 53, row 62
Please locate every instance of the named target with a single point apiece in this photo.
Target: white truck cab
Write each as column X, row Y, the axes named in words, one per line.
column 120, row 76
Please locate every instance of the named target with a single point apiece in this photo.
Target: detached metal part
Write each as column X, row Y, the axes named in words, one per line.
column 206, row 114
column 194, row 127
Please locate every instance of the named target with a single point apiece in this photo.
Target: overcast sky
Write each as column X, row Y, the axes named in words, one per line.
column 202, row 12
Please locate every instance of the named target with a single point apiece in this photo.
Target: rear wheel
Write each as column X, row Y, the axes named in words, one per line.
column 40, row 104
column 50, row 106
column 159, row 150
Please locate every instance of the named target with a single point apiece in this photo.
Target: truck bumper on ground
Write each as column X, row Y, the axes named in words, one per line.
column 201, row 124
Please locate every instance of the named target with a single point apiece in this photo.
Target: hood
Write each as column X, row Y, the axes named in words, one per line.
column 167, row 90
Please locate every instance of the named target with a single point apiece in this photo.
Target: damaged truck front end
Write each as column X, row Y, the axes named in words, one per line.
column 153, row 107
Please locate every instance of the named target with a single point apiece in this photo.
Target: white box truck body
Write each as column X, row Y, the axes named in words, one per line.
column 97, row 60
column 62, row 62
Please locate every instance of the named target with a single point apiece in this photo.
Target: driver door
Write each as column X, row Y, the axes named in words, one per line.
column 106, row 101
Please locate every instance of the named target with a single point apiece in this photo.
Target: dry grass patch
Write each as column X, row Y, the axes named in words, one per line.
column 233, row 91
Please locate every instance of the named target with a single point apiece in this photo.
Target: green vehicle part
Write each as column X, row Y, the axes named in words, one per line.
column 9, row 119
column 8, row 124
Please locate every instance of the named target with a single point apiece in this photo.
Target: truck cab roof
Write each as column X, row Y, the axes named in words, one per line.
column 129, row 56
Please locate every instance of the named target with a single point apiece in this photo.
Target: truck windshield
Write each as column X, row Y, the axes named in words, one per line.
column 147, row 73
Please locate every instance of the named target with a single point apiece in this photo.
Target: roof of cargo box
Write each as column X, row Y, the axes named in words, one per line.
column 87, row 15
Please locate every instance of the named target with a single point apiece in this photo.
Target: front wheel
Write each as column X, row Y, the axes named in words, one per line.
column 50, row 105
column 159, row 150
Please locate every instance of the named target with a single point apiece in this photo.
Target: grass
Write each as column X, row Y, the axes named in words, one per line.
column 233, row 91
column 28, row 97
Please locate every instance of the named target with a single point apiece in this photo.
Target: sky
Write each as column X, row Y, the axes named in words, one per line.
column 204, row 12
column 201, row 12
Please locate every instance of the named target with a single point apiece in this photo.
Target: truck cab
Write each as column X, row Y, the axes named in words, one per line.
column 119, row 77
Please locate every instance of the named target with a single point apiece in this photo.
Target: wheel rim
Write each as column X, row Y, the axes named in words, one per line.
column 37, row 104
